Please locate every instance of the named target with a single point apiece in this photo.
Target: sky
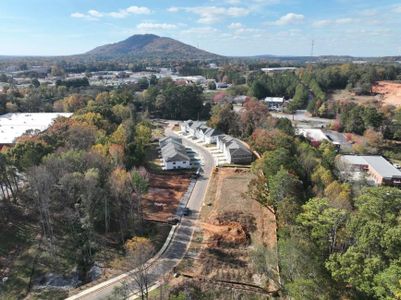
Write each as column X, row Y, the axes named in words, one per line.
column 226, row 27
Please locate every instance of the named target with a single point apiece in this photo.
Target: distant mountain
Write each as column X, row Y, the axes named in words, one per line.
column 151, row 46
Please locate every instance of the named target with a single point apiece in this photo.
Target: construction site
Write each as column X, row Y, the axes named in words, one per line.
column 232, row 228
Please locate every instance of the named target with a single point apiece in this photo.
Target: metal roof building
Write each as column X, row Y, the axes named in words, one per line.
column 14, row 125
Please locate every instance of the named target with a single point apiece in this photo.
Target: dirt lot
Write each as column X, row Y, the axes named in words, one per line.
column 164, row 195
column 232, row 226
column 344, row 95
column 390, row 91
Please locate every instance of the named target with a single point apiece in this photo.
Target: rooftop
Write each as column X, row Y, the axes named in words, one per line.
column 14, row 125
column 378, row 163
column 274, row 99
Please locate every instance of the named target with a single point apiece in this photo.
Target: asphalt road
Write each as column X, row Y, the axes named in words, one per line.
column 181, row 239
column 302, row 116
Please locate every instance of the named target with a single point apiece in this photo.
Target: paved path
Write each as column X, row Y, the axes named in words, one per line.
column 180, row 240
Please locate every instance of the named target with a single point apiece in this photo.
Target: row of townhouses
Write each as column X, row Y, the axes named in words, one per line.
column 174, row 154
column 234, row 150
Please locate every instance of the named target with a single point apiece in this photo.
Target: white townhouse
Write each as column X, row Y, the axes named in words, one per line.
column 174, row 154
column 234, row 150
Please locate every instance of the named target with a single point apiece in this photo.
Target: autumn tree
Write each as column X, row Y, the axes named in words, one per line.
column 139, row 251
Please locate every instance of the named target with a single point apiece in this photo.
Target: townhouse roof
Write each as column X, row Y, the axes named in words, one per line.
column 164, row 141
column 234, row 146
column 212, row 132
column 173, row 150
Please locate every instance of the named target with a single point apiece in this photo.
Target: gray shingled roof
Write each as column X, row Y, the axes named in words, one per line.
column 212, row 132
column 235, row 146
column 172, row 150
column 169, row 139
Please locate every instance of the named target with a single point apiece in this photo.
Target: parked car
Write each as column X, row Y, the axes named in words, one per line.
column 186, row 211
column 173, row 220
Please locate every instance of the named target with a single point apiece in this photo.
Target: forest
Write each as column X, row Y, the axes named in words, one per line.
column 335, row 239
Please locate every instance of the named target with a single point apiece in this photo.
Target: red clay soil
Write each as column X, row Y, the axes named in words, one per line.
column 231, row 233
column 391, row 92
column 165, row 193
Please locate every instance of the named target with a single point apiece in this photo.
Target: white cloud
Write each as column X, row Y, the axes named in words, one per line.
column 138, row 10
column 235, row 26
column 132, row 10
column 290, row 18
column 397, row 9
column 200, row 31
column 155, row 26
column 93, row 14
column 78, row 15
column 173, row 9
column 213, row 14
column 233, row 2
column 321, row 23
column 344, row 21
column 368, row 12
column 326, row 22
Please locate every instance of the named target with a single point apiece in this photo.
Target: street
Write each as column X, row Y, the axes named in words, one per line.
column 179, row 244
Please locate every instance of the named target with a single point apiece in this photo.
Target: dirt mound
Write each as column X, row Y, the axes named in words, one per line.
column 230, row 234
column 391, row 92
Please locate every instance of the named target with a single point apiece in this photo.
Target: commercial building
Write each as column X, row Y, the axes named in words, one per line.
column 274, row 103
column 279, row 70
column 14, row 125
column 377, row 168
column 317, row 136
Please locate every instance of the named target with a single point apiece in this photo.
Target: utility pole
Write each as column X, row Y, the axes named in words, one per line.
column 312, row 49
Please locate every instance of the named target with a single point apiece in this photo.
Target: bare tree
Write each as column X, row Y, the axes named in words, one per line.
column 140, row 183
column 139, row 251
column 41, row 183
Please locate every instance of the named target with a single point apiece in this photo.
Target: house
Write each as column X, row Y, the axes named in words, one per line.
column 221, row 85
column 174, row 154
column 379, row 170
column 185, row 126
column 164, row 141
column 317, row 136
column 211, row 134
column 200, row 131
column 239, row 99
column 274, row 103
column 234, row 150
column 14, row 125
column 194, row 127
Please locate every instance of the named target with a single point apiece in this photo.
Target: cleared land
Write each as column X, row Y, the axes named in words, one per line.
column 232, row 227
column 390, row 91
column 165, row 193
column 345, row 95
